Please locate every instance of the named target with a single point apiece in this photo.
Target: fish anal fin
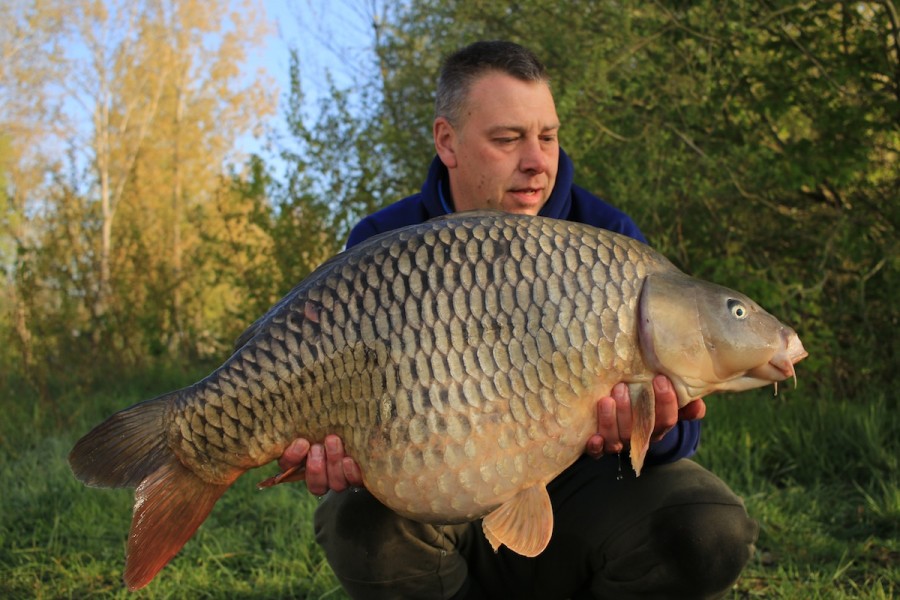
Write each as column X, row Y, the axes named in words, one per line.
column 169, row 506
column 523, row 524
column 643, row 419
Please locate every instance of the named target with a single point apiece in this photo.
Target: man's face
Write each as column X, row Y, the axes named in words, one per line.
column 504, row 152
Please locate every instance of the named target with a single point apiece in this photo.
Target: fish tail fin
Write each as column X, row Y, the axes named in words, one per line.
column 169, row 506
column 130, row 449
column 125, row 448
column 643, row 410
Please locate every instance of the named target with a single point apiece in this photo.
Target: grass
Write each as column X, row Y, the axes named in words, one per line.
column 820, row 475
column 60, row 539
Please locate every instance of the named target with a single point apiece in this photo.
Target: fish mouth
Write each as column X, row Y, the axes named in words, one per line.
column 773, row 371
column 781, row 366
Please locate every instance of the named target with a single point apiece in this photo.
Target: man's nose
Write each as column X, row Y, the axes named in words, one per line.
column 533, row 158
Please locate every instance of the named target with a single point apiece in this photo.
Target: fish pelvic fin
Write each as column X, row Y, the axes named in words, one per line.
column 130, row 449
column 643, row 419
column 169, row 506
column 523, row 524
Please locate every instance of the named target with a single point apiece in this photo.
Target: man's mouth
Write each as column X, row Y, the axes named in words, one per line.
column 526, row 191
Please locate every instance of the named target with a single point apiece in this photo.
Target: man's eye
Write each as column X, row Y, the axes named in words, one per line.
column 506, row 140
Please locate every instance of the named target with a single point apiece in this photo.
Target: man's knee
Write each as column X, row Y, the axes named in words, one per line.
column 707, row 545
column 363, row 539
column 685, row 535
column 355, row 524
column 376, row 553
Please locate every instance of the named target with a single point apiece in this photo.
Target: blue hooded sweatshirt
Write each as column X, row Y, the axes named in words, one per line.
column 568, row 202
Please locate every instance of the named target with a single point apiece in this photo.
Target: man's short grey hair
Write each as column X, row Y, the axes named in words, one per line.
column 464, row 66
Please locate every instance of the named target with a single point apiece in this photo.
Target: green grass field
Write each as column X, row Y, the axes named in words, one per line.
column 820, row 474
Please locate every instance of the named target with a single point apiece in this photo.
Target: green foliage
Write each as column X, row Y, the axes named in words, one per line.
column 350, row 158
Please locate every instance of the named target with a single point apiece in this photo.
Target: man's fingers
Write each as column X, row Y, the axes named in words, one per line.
column 352, row 472
column 607, row 423
column 666, row 407
column 693, row 411
column 316, row 473
column 294, row 455
column 623, row 411
column 327, row 468
column 594, row 446
column 334, row 467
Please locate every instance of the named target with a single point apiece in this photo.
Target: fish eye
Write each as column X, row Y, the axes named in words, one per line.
column 737, row 308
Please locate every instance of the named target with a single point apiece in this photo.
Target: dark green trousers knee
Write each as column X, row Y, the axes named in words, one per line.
column 677, row 531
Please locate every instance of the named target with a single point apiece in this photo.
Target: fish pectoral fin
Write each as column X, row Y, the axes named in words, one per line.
column 523, row 523
column 169, row 506
column 643, row 419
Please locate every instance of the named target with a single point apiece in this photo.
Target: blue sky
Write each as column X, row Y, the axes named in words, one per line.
column 327, row 36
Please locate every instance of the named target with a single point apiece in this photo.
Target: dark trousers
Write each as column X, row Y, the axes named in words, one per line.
column 677, row 531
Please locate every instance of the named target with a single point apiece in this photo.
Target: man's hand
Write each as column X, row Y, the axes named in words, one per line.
column 614, row 417
column 326, row 466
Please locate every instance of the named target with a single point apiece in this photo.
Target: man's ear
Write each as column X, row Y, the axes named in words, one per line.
column 445, row 141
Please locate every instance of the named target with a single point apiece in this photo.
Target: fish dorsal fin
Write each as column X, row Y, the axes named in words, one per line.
column 643, row 419
column 523, row 523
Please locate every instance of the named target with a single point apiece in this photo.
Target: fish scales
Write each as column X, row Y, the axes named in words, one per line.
column 460, row 361
column 550, row 319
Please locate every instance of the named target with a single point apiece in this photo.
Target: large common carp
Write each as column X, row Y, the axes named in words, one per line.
column 460, row 360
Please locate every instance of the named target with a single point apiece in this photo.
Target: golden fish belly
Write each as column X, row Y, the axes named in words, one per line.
column 444, row 477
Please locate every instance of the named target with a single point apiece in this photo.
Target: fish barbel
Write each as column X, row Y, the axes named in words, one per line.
column 460, row 360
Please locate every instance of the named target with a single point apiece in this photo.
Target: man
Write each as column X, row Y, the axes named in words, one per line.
column 675, row 532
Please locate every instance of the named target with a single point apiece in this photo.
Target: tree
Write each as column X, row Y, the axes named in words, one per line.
column 206, row 104
column 110, row 251
column 28, row 50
